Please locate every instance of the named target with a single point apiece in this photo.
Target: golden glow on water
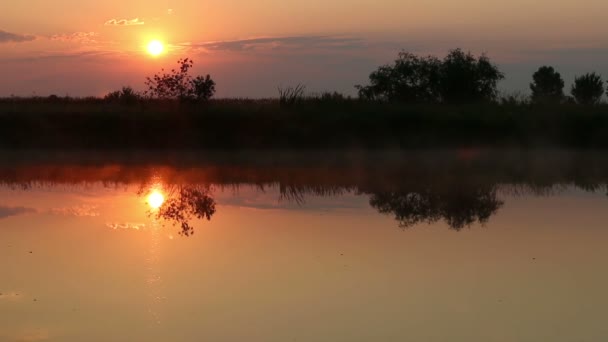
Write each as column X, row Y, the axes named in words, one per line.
column 156, row 199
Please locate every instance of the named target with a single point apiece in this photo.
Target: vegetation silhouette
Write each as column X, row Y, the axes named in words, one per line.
column 547, row 86
column 588, row 89
column 411, row 79
column 126, row 96
column 178, row 84
column 417, row 102
column 467, row 79
column 459, row 78
column 290, row 96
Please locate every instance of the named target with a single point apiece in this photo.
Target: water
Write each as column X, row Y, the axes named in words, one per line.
column 466, row 245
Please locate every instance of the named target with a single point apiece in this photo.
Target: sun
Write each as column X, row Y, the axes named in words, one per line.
column 155, row 48
column 156, row 199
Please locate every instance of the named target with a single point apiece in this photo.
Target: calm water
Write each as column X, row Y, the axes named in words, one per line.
column 466, row 245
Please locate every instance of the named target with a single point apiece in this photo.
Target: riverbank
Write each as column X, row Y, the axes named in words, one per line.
column 310, row 123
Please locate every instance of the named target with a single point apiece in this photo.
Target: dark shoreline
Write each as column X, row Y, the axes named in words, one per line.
column 311, row 124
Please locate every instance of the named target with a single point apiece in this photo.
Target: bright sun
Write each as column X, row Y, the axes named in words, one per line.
column 155, row 48
column 155, row 199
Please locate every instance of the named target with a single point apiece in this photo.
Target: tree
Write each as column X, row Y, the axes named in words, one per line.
column 547, row 86
column 410, row 79
column 467, row 79
column 588, row 89
column 180, row 85
column 458, row 78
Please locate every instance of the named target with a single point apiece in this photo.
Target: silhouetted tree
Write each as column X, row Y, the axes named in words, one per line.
column 547, row 86
column 459, row 77
column 588, row 89
column 203, row 88
column 411, row 79
column 466, row 79
column 180, row 85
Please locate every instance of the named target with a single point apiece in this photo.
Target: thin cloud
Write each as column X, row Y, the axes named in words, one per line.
column 77, row 37
column 15, row 211
column 124, row 22
column 127, row 225
column 77, row 211
column 7, row 37
column 334, row 42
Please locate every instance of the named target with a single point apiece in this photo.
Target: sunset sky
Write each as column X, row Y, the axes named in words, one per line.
column 84, row 48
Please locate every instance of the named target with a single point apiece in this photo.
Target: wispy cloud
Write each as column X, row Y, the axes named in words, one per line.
column 77, row 37
column 124, row 22
column 127, row 225
column 335, row 42
column 7, row 37
column 14, row 211
column 77, row 211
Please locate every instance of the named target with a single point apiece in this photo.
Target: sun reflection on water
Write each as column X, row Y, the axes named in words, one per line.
column 156, row 199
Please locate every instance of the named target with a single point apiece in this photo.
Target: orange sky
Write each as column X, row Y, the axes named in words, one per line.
column 91, row 47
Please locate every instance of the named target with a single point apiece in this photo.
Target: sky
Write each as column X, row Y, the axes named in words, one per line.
column 89, row 48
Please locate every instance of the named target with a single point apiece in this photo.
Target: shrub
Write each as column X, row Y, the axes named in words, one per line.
column 125, row 96
column 178, row 84
column 547, row 86
column 588, row 89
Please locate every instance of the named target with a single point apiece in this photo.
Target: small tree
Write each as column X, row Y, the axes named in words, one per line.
column 547, row 86
column 203, row 87
column 180, row 85
column 588, row 89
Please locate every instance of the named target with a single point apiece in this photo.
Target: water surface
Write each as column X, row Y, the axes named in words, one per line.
column 466, row 245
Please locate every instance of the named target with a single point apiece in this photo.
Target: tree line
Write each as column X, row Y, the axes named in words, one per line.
column 464, row 78
column 460, row 77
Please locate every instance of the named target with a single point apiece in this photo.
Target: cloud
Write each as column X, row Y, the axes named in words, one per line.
column 128, row 225
column 7, row 37
column 77, row 211
column 14, row 211
column 334, row 42
column 123, row 22
column 78, row 37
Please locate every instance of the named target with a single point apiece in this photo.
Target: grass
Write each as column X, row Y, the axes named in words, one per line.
column 319, row 122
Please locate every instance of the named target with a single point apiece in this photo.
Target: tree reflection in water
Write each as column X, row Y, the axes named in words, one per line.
column 182, row 204
column 459, row 209
column 460, row 187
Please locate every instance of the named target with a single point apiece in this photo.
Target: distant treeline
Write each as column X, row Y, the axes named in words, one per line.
column 415, row 102
column 464, row 78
